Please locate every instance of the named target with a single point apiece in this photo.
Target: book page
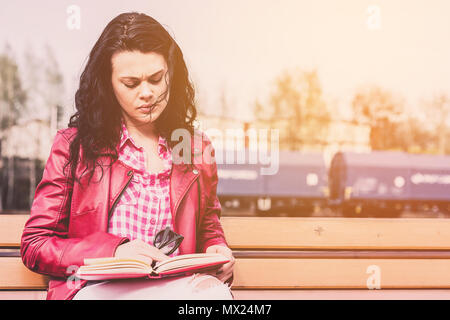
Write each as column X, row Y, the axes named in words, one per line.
column 189, row 260
column 112, row 260
column 114, row 265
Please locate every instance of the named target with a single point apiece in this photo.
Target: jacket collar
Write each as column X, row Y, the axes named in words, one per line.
column 125, row 136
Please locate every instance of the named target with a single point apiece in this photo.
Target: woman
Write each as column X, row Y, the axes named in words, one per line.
column 110, row 182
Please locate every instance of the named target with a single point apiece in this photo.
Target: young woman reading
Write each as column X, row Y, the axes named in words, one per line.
column 110, row 183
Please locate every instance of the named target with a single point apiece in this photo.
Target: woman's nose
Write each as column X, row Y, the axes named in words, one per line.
column 146, row 91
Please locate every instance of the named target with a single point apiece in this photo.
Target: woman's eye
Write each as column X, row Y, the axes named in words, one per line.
column 130, row 85
column 156, row 81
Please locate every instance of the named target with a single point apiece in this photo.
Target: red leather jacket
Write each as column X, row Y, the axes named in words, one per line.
column 69, row 222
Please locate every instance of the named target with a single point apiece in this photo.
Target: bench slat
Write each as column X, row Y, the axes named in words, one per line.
column 305, row 233
column 14, row 275
column 11, row 227
column 291, row 270
column 290, row 273
column 343, row 294
column 23, row 295
column 299, row 294
column 275, row 233
column 340, row 273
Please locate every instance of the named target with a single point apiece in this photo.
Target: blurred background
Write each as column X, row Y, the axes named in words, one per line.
column 358, row 91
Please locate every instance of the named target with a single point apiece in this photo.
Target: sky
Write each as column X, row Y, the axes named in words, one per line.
column 240, row 47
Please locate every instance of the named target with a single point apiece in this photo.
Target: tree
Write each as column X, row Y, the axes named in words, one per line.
column 46, row 86
column 53, row 94
column 420, row 139
column 298, row 109
column 437, row 114
column 12, row 96
column 384, row 113
column 12, row 100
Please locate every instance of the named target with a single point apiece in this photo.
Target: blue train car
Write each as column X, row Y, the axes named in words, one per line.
column 298, row 185
column 429, row 179
column 240, row 184
column 385, row 183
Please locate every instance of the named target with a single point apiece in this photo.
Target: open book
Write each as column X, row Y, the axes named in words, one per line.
column 119, row 268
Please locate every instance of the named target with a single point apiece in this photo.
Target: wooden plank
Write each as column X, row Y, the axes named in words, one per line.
column 343, row 294
column 14, row 275
column 343, row 254
column 341, row 273
column 11, row 228
column 23, row 295
column 336, row 233
column 305, row 233
column 291, row 273
column 300, row 294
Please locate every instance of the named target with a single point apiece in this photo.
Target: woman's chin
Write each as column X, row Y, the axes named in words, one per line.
column 146, row 117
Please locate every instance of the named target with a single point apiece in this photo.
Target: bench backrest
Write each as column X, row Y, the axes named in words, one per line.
column 291, row 253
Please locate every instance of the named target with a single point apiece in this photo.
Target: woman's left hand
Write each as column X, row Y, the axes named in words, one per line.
column 226, row 271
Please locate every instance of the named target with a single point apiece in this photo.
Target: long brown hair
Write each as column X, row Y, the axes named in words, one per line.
column 98, row 114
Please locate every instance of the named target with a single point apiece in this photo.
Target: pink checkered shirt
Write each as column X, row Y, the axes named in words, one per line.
column 144, row 207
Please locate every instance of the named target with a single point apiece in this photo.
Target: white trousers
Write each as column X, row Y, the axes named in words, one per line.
column 194, row 287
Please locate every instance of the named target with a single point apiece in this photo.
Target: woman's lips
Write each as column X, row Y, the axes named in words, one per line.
column 146, row 108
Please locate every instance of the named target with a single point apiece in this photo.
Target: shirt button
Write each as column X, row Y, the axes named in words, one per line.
column 195, row 171
column 152, row 220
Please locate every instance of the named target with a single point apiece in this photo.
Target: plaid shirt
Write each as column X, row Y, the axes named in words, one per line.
column 144, row 207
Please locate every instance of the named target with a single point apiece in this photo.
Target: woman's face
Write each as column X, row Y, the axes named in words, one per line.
column 139, row 81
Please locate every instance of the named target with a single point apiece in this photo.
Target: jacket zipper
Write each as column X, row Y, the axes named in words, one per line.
column 130, row 173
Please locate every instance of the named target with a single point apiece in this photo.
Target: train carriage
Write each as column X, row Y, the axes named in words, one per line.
column 386, row 183
column 298, row 187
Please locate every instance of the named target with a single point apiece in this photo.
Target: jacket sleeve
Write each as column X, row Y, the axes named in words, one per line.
column 210, row 229
column 45, row 246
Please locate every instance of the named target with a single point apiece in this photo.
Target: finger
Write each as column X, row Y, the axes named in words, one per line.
column 211, row 273
column 154, row 255
column 228, row 255
column 144, row 258
column 227, row 266
column 159, row 256
column 225, row 272
column 225, row 252
column 139, row 243
column 219, row 271
column 152, row 252
column 229, row 281
column 225, row 276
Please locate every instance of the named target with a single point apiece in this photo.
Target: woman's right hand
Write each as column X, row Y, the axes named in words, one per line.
column 140, row 250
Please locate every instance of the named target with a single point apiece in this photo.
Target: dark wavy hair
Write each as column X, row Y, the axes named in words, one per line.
column 98, row 115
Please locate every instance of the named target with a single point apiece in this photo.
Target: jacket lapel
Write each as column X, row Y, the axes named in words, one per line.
column 180, row 181
column 119, row 180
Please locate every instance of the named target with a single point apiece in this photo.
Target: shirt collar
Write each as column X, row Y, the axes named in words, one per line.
column 125, row 136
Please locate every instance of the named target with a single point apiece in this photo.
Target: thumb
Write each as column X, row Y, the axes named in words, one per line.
column 160, row 256
column 211, row 249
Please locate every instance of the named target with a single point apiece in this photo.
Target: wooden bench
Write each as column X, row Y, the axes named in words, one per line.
column 300, row 258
